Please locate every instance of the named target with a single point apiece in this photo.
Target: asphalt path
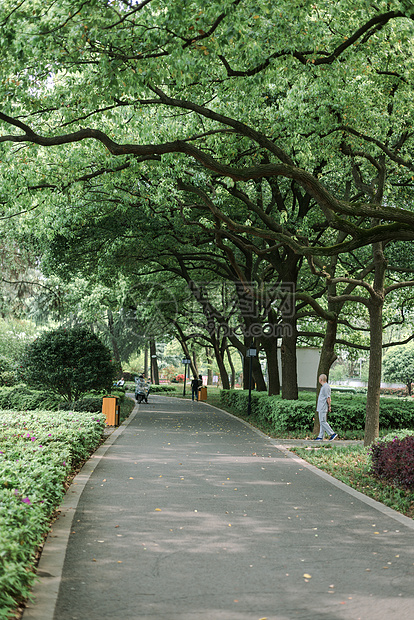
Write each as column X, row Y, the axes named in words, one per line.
column 189, row 513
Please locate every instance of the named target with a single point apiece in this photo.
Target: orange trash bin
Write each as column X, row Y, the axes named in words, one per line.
column 111, row 410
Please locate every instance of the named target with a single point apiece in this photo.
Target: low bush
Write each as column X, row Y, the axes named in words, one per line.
column 401, row 391
column 21, row 397
column 38, row 450
column 393, row 460
column 348, row 411
column 92, row 404
column 162, row 388
column 279, row 415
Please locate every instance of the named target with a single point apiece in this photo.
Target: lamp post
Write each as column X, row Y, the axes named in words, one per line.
column 186, row 362
column 250, row 353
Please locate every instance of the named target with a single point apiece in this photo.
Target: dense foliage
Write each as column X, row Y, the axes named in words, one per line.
column 69, row 362
column 38, row 450
column 272, row 140
column 20, row 397
column 398, row 365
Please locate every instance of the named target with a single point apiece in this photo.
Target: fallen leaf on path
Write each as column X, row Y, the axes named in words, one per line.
column 307, row 576
column 158, row 510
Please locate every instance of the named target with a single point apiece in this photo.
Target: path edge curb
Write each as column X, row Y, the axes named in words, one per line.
column 390, row 512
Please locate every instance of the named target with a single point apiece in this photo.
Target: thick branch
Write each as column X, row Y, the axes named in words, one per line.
column 325, row 58
column 326, row 201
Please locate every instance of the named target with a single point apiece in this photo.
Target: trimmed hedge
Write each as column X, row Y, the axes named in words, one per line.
column 348, row 411
column 162, row 388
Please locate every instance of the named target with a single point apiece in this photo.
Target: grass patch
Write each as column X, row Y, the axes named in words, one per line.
column 350, row 465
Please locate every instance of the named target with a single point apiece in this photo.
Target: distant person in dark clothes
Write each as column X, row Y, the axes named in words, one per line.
column 195, row 384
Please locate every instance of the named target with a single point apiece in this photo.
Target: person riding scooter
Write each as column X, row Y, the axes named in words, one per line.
column 142, row 388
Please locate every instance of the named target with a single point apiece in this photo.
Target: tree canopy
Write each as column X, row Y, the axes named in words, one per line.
column 282, row 134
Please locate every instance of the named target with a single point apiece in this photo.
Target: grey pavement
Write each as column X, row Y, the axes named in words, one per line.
column 187, row 512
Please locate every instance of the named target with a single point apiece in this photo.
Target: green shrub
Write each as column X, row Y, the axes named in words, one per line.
column 162, row 388
column 115, row 392
column 21, row 397
column 92, row 404
column 38, row 450
column 279, row 415
column 68, row 362
column 348, row 411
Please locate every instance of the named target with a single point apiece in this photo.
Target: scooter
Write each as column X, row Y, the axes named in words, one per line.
column 142, row 389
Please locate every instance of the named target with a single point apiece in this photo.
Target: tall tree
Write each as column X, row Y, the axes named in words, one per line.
column 122, row 68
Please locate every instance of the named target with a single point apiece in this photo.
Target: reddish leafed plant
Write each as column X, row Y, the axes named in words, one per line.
column 394, row 461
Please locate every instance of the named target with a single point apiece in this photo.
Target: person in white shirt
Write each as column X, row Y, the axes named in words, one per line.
column 322, row 407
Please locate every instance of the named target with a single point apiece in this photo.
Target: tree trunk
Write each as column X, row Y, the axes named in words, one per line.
column 194, row 363
column 232, row 369
column 270, row 348
column 146, row 360
column 374, row 376
column 258, row 375
column 154, row 363
column 375, row 308
column 222, row 369
column 288, row 358
column 209, row 355
column 114, row 343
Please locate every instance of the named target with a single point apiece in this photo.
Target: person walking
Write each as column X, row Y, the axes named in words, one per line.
column 195, row 384
column 322, row 407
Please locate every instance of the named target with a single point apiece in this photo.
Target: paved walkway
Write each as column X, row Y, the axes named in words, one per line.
column 188, row 513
